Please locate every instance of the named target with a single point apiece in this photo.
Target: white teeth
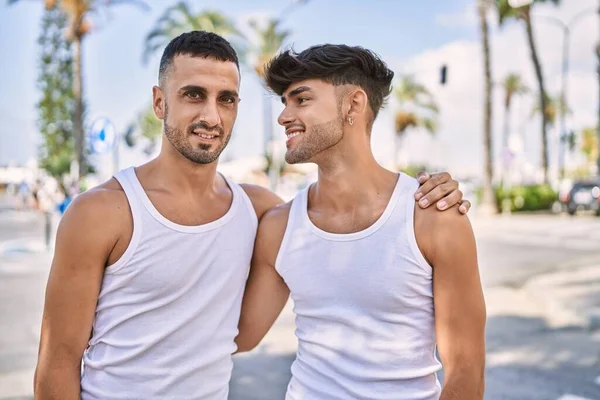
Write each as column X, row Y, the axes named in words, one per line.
column 206, row 136
column 291, row 135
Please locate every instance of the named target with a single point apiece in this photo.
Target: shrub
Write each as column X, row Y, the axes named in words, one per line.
column 527, row 198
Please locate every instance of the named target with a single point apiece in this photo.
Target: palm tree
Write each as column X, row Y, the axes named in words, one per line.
column 269, row 40
column 554, row 106
column 79, row 13
column 417, row 109
column 589, row 145
column 513, row 85
column 488, row 199
column 254, row 53
column 598, row 122
column 507, row 12
column 151, row 128
column 178, row 19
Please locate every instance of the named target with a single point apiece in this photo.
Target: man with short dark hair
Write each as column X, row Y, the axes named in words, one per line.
column 377, row 283
column 149, row 269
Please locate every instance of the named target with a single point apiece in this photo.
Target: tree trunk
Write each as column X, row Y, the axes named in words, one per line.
column 78, row 114
column 487, row 205
column 397, row 147
column 542, row 91
column 598, row 126
column 273, row 164
column 505, row 134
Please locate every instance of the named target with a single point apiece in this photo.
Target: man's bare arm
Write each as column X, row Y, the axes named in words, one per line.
column 266, row 292
column 85, row 239
column 458, row 299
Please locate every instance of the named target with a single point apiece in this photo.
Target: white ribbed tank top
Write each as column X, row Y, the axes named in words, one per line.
column 168, row 309
column 364, row 306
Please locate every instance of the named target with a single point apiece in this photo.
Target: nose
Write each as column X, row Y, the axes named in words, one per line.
column 210, row 114
column 286, row 117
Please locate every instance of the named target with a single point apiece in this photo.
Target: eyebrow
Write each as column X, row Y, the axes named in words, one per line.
column 296, row 92
column 193, row 88
column 228, row 92
column 201, row 89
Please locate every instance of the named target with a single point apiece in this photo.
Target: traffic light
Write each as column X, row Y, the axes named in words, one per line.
column 129, row 136
column 443, row 74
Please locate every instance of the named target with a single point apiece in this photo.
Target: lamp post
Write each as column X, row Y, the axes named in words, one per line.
column 566, row 28
column 276, row 159
column 598, row 123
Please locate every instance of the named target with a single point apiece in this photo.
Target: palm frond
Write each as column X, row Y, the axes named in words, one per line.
column 418, row 107
column 507, row 12
column 270, row 40
column 430, row 124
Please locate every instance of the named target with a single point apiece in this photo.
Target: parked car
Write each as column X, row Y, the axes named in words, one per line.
column 584, row 195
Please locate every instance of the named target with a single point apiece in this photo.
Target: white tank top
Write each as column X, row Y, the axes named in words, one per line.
column 364, row 307
column 168, row 309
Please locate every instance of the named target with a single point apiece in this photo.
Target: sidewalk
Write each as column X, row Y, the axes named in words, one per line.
column 550, row 325
column 23, row 278
column 569, row 297
column 545, row 329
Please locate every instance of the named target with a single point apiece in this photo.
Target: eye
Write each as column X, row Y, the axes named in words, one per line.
column 228, row 99
column 302, row 100
column 193, row 95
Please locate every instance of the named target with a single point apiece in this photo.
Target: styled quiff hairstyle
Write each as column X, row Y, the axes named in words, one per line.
column 334, row 64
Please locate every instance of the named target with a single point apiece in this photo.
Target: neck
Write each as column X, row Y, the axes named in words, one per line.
column 180, row 174
column 348, row 174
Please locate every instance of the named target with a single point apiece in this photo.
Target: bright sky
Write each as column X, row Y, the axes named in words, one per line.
column 409, row 36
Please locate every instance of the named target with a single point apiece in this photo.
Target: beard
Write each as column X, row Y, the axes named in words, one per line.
column 316, row 140
column 201, row 154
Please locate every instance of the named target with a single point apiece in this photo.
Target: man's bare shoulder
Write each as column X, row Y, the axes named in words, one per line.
column 262, row 198
column 273, row 224
column 437, row 230
column 103, row 205
column 432, row 215
column 277, row 216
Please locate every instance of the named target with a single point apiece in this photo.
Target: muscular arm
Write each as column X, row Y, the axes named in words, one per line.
column 449, row 245
column 266, row 293
column 85, row 238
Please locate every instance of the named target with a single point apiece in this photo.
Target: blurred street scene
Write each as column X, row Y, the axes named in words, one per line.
column 541, row 276
column 504, row 95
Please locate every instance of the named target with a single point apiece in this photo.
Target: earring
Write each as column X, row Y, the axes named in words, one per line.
column 350, row 121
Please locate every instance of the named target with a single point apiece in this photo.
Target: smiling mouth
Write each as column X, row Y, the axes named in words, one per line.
column 206, row 136
column 293, row 133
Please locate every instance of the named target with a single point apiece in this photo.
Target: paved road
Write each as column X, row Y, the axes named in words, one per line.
column 527, row 359
column 513, row 249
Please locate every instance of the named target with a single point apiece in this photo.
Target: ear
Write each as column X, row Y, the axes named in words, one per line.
column 358, row 103
column 158, row 102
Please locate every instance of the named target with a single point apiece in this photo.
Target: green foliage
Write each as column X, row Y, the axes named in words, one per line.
column 413, row 170
column 417, row 106
column 554, row 107
column 527, row 198
column 150, row 125
column 589, row 144
column 513, row 85
column 506, row 11
column 178, row 19
column 270, row 40
column 56, row 107
column 524, row 198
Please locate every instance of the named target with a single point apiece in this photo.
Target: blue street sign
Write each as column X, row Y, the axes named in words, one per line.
column 101, row 136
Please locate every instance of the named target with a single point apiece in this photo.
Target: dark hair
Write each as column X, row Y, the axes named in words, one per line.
column 335, row 64
column 197, row 44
